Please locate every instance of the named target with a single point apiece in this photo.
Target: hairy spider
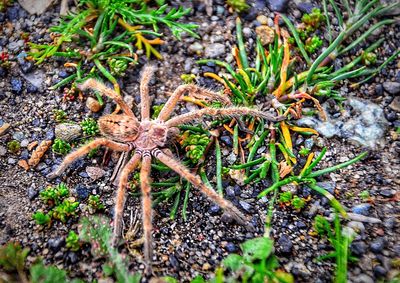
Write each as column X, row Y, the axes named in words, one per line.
column 147, row 139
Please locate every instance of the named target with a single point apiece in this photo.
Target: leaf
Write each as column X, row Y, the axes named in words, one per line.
column 257, row 248
column 50, row 274
column 233, row 262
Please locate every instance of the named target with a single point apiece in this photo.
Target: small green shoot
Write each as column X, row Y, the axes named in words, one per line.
column 41, row 218
column 59, row 115
column 13, row 146
column 72, row 241
column 95, row 203
column 61, row 147
column 90, row 127
column 238, row 5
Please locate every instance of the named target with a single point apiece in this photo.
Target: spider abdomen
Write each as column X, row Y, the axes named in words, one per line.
column 118, row 127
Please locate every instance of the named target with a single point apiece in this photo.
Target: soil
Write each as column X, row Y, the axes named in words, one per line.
column 184, row 249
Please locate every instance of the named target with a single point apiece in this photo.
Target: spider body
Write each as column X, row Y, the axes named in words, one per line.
column 147, row 139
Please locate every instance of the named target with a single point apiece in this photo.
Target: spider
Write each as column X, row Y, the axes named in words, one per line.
column 147, row 139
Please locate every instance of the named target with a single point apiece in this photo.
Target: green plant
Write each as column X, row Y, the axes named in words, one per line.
column 285, row 197
column 313, row 20
column 90, row 127
column 156, row 110
column 313, row 44
column 238, row 5
column 364, row 195
column 340, row 239
column 12, row 259
column 60, row 146
column 72, row 241
column 194, row 144
column 41, row 218
column 54, row 195
column 298, row 203
column 13, row 146
column 4, row 4
column 257, row 264
column 59, row 115
column 107, row 33
column 97, row 232
column 95, row 203
column 368, row 58
column 64, row 210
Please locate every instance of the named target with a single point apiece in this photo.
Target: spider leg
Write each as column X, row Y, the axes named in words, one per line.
column 101, row 88
column 196, row 181
column 85, row 150
column 121, row 196
column 193, row 91
column 146, row 208
column 144, row 91
column 230, row 111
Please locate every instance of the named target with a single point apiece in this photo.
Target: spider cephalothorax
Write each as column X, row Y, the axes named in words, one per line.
column 147, row 138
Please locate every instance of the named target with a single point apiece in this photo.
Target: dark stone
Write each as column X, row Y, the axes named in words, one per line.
column 63, row 74
column 251, row 14
column 2, row 17
column 230, row 247
column 387, row 193
column 245, row 205
column 260, row 4
column 391, row 116
column 3, row 72
column 329, row 186
column 227, row 140
column 301, row 225
column 214, row 209
column 30, row 88
column 13, row 13
column 358, row 248
column 305, row 7
column 392, row 87
column 16, row 85
column 25, row 154
column 278, row 5
column 71, row 258
column 285, row 244
column 174, row 262
column 2, row 95
column 55, row 244
column 82, row 192
column 379, row 89
column 378, row 245
column 50, row 134
column 379, row 271
column 32, row 192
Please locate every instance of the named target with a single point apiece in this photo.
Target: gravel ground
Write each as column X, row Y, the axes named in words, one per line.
column 185, row 249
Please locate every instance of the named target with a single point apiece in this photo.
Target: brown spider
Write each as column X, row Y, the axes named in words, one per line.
column 148, row 138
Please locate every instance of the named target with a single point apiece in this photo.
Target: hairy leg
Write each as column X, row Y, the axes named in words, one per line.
column 144, row 91
column 194, row 91
column 85, row 150
column 146, row 208
column 196, row 181
column 121, row 196
column 100, row 87
column 230, row 111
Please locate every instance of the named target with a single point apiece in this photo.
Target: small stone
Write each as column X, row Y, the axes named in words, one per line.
column 363, row 278
column 230, row 247
column 362, row 209
column 262, row 19
column 266, row 34
column 358, row 248
column 387, row 193
column 395, row 104
column 227, row 140
column 379, row 271
column 285, row 244
column 245, row 205
column 378, row 245
column 72, row 258
column 379, row 89
column 12, row 161
column 309, row 143
column 214, row 209
column 301, row 225
column 93, row 105
column 95, row 172
column 329, row 186
column 67, row 131
column 30, row 88
column 82, row 192
column 3, row 150
column 392, row 87
column 32, row 192
column 55, row 244
column 16, row 85
column 277, row 5
column 356, row 226
column 214, row 50
column 305, row 7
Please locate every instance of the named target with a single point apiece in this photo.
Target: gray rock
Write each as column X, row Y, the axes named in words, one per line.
column 395, row 104
column 305, row 7
column 55, row 244
column 285, row 244
column 356, row 226
column 3, row 150
column 392, row 87
column 32, row 192
column 19, row 136
column 378, row 245
column 278, row 5
column 214, row 50
column 12, row 161
column 68, row 132
column 379, row 271
column 245, row 205
column 363, row 278
column 387, row 193
column 363, row 209
column 358, row 248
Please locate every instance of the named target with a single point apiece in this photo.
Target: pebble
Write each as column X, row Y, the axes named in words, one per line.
column 363, row 209
column 245, row 205
column 3, row 150
column 30, row 88
column 277, row 5
column 262, row 19
column 16, row 85
column 309, row 143
column 363, row 278
column 301, row 225
column 266, row 34
column 32, row 192
column 55, row 244
column 387, row 193
column 214, row 50
column 305, row 7
column 358, row 248
column 93, row 105
column 285, row 244
column 95, row 172
column 329, row 186
column 356, row 226
column 19, row 136
column 231, row 247
column 82, row 192
column 11, row 161
column 378, row 245
column 392, row 87
column 227, row 140
column 67, row 131
column 214, row 209
column 379, row 271
column 72, row 258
